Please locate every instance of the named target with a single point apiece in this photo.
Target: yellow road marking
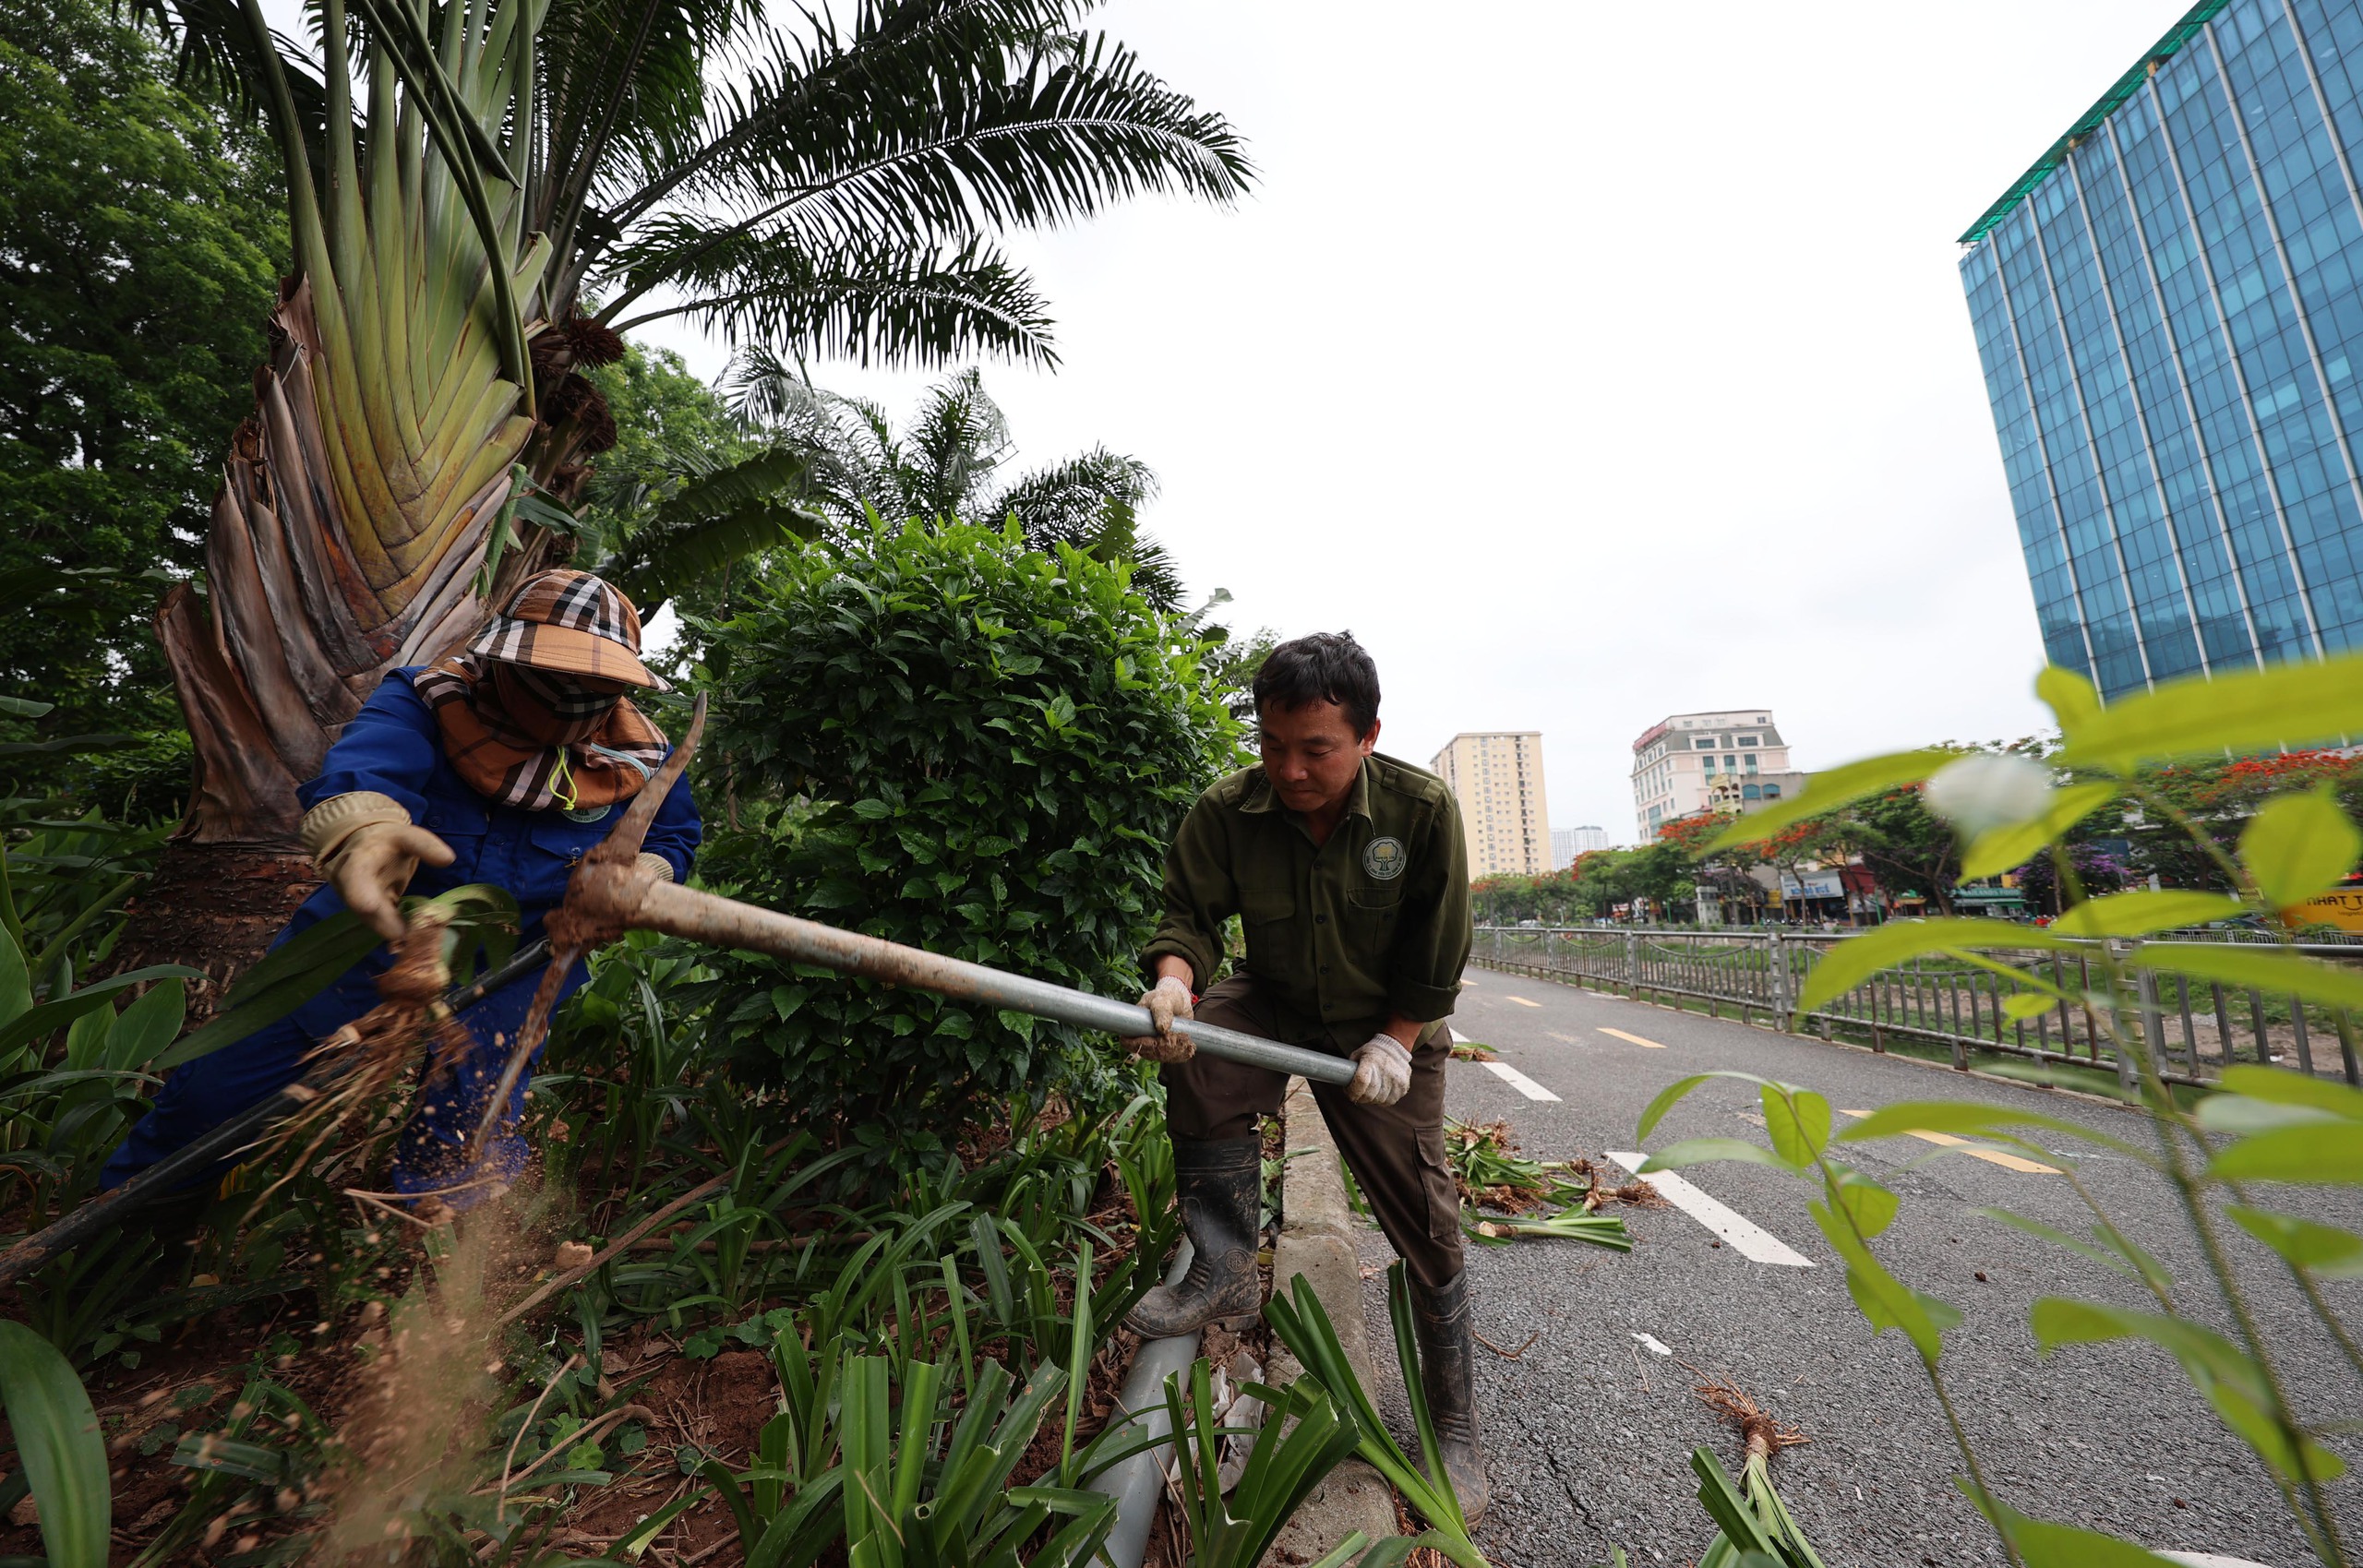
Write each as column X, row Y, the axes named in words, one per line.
column 1523, row 1002
column 1635, row 1038
column 1975, row 1151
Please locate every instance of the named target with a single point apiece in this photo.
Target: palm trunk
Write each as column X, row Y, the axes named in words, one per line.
column 361, row 498
column 286, row 643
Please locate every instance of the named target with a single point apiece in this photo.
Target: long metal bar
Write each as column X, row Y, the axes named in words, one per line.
column 701, row 916
column 158, row 1179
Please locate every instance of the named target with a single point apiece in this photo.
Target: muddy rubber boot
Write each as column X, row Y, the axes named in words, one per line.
column 1219, row 1184
column 1448, row 1373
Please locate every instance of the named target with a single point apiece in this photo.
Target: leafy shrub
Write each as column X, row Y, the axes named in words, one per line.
column 938, row 736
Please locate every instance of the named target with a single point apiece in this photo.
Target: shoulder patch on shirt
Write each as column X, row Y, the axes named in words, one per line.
column 1384, row 858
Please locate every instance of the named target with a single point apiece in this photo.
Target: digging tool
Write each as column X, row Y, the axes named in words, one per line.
column 236, row 1133
column 609, row 894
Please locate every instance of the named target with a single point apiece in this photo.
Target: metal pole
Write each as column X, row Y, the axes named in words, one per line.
column 2127, row 1075
column 722, row 922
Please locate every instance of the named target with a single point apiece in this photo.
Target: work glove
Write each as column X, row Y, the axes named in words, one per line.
column 1166, row 1000
column 1382, row 1072
column 367, row 848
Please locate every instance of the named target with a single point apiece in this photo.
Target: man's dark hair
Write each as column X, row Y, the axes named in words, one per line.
column 1328, row 666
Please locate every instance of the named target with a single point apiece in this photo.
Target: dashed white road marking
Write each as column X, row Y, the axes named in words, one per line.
column 1975, row 1151
column 1633, row 1038
column 1562, row 1039
column 1518, row 1080
column 1523, row 1002
column 1747, row 1237
column 1606, row 995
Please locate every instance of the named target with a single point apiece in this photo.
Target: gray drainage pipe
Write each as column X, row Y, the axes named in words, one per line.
column 1138, row 1483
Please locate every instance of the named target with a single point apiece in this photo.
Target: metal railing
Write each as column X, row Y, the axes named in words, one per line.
column 2192, row 1029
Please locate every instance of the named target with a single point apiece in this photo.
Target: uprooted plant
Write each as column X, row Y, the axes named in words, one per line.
column 1504, row 1194
column 1750, row 1518
column 2264, row 1125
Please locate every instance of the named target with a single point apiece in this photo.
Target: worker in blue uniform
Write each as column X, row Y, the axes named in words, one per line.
column 504, row 764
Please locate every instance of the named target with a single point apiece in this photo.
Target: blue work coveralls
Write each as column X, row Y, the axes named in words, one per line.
column 393, row 748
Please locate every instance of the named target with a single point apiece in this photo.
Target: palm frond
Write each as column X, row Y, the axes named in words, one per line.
column 883, row 58
column 1067, row 502
column 625, row 86
column 998, row 141
column 711, row 519
column 848, row 443
column 868, row 305
column 216, row 53
column 954, row 447
column 908, row 135
column 1093, row 502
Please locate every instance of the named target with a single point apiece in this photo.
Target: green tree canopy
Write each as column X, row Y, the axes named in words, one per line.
column 138, row 242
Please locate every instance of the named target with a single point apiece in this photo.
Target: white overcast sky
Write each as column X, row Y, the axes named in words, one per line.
column 1589, row 362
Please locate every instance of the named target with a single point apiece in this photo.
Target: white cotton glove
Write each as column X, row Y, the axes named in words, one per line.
column 1382, row 1072
column 1166, row 1000
column 365, row 846
column 375, row 864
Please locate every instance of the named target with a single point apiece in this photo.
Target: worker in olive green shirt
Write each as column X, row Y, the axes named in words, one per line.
column 1350, row 875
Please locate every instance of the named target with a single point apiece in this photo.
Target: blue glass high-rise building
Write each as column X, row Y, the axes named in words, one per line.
column 2169, row 308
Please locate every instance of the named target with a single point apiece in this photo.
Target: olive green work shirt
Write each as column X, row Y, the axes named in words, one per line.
column 1372, row 924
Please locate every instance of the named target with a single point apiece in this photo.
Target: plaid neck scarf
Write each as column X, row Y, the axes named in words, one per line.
column 536, row 741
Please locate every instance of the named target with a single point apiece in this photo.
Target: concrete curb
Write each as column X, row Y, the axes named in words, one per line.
column 1317, row 1242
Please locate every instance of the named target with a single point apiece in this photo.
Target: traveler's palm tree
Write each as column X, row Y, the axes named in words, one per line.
column 512, row 184
column 949, row 463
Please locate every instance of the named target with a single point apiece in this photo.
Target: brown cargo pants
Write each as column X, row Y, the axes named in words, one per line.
column 1396, row 1152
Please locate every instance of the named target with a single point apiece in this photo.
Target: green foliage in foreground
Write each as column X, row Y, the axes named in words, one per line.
column 58, row 1447
column 2266, row 1126
column 1299, row 1321
column 943, row 738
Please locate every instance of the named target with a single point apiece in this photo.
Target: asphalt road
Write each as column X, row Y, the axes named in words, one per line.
column 1590, row 1430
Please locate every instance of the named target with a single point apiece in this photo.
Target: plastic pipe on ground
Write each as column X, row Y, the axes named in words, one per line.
column 1138, row 1483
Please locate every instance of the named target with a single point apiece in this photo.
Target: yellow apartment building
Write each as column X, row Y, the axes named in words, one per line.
column 1497, row 778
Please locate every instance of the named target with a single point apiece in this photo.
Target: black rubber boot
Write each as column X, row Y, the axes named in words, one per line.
column 1221, row 1187
column 1448, row 1373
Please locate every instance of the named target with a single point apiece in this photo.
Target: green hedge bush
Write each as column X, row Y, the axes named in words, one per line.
column 939, row 736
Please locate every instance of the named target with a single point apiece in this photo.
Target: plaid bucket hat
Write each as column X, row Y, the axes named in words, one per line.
column 570, row 623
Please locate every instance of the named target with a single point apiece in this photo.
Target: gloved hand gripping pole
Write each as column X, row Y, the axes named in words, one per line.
column 609, row 894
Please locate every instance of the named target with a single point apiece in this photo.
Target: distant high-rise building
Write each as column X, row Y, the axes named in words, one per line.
column 1497, row 778
column 2168, row 310
column 1681, row 759
column 1568, row 842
